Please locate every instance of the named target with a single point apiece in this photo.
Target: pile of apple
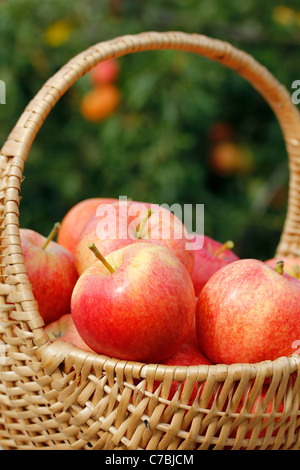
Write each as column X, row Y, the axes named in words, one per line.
column 114, row 285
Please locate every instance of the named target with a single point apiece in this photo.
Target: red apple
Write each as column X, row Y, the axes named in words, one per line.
column 229, row 158
column 126, row 222
column 221, row 131
column 209, row 259
column 76, row 219
column 105, row 72
column 248, row 312
column 64, row 329
column 187, row 355
column 51, row 272
column 291, row 265
column 138, row 303
column 266, row 405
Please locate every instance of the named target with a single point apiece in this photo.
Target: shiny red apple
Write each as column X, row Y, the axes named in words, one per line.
column 76, row 219
column 126, row 222
column 105, row 72
column 189, row 354
column 248, row 312
column 64, row 329
column 137, row 304
column 210, row 258
column 51, row 272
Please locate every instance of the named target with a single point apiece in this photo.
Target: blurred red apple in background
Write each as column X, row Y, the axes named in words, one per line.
column 51, row 272
column 248, row 312
column 105, row 72
column 64, row 329
column 138, row 303
column 76, row 219
column 291, row 265
column 188, row 355
column 127, row 222
column 209, row 259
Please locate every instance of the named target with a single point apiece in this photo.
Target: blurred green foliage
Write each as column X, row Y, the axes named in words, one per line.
column 156, row 147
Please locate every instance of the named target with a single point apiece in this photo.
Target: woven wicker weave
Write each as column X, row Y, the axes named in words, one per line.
column 55, row 396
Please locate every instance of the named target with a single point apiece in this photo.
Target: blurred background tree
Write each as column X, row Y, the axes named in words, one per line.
column 186, row 130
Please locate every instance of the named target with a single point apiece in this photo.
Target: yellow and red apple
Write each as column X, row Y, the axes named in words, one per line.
column 76, row 219
column 188, row 355
column 100, row 102
column 248, row 312
column 208, row 259
column 64, row 329
column 126, row 222
column 138, row 303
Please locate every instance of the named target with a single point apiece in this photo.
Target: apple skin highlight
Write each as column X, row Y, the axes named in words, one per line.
column 247, row 313
column 142, row 312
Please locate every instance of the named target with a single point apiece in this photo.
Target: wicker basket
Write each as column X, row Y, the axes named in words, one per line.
column 55, row 396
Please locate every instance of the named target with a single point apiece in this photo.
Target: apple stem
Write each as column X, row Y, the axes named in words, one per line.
column 226, row 246
column 51, row 235
column 279, row 267
column 97, row 253
column 142, row 224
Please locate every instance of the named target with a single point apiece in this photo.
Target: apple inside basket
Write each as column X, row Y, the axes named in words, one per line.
column 135, row 294
column 141, row 296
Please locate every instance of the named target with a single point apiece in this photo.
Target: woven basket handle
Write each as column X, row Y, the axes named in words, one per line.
column 15, row 150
